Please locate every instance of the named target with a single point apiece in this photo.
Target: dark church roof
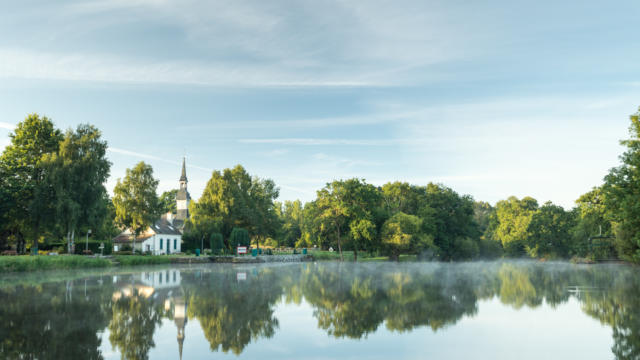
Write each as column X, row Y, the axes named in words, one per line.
column 160, row 227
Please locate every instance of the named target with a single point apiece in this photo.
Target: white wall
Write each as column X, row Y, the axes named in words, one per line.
column 153, row 244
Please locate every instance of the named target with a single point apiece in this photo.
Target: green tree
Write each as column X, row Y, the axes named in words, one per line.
column 550, row 232
column 593, row 219
column 401, row 233
column 513, row 218
column 216, row 243
column 75, row 181
column 343, row 205
column 20, row 165
column 167, row 202
column 233, row 198
column 621, row 189
column 291, row 218
column 239, row 237
column 135, row 199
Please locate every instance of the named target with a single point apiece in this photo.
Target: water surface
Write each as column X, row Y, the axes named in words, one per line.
column 499, row 310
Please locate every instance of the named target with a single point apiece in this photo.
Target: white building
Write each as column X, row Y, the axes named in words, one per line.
column 165, row 235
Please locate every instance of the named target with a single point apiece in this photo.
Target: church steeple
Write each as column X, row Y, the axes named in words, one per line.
column 183, row 197
column 183, row 176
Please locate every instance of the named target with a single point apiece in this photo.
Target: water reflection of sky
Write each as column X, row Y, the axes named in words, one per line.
column 328, row 311
column 496, row 332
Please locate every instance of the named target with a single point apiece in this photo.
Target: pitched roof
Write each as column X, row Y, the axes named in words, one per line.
column 160, row 227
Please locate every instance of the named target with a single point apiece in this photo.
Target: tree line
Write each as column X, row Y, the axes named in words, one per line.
column 52, row 188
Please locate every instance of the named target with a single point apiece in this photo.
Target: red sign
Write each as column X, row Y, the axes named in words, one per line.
column 242, row 250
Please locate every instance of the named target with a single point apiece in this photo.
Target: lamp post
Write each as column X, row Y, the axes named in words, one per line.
column 86, row 247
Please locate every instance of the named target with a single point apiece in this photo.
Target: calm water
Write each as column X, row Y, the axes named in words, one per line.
column 501, row 310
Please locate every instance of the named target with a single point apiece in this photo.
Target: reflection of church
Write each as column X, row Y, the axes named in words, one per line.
column 159, row 287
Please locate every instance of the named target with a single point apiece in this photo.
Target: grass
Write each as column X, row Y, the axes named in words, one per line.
column 131, row 260
column 34, row 263
column 323, row 255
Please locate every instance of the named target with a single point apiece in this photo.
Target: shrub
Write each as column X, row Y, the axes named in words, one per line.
column 216, row 243
column 239, row 237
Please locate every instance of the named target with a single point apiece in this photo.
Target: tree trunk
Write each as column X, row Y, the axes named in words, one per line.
column 339, row 245
column 73, row 241
column 355, row 254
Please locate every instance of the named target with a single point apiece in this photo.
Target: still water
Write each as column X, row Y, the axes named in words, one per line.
column 496, row 310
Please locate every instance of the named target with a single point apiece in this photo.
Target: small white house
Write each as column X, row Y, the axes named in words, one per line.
column 160, row 238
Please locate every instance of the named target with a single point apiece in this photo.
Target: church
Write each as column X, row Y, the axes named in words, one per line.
column 164, row 236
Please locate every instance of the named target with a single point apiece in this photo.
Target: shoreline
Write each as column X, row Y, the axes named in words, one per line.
column 29, row 263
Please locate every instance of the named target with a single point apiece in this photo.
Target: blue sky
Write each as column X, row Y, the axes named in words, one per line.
column 492, row 98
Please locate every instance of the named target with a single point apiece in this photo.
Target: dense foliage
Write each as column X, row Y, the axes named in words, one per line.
column 52, row 188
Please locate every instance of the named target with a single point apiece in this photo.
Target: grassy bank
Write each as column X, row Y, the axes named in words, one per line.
column 34, row 263
column 323, row 255
column 132, row 260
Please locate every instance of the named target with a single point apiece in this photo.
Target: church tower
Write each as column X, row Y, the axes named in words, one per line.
column 183, row 196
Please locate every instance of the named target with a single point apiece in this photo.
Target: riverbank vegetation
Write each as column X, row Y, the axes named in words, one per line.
column 52, row 189
column 35, row 263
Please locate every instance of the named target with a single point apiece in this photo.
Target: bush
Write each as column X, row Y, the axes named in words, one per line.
column 216, row 243
column 239, row 237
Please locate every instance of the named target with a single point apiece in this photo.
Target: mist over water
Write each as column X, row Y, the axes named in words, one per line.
column 484, row 310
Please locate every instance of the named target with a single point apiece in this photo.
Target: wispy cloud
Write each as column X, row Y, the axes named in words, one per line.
column 319, row 142
column 4, row 125
column 152, row 157
column 343, row 161
column 30, row 64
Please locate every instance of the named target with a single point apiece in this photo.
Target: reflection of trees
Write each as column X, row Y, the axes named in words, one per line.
column 619, row 307
column 233, row 313
column 132, row 326
column 352, row 303
column 51, row 321
column 56, row 320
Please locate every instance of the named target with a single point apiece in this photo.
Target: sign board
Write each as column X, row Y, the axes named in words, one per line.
column 242, row 250
column 241, row 276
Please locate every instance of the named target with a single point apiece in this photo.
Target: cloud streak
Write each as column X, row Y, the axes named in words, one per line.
column 320, row 142
column 152, row 157
column 4, row 125
column 27, row 64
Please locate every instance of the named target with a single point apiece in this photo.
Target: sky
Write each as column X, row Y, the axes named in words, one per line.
column 491, row 98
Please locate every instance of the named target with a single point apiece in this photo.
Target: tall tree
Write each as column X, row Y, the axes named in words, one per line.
column 513, row 217
column 346, row 207
column 32, row 138
column 291, row 218
column 593, row 219
column 75, row 179
column 232, row 198
column 621, row 189
column 136, row 200
column 550, row 232
column 400, row 232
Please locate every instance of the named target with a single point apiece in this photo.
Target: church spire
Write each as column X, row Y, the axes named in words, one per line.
column 183, row 177
column 182, row 197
